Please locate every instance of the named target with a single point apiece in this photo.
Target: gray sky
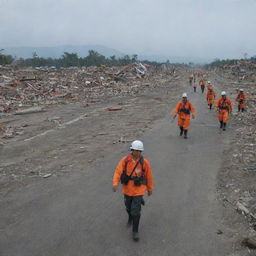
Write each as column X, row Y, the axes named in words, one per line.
column 202, row 28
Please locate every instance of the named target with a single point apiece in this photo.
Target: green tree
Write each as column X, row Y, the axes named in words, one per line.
column 5, row 59
column 70, row 59
column 95, row 59
column 134, row 57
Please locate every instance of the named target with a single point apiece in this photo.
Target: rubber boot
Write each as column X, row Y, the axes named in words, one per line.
column 181, row 130
column 185, row 134
column 224, row 126
column 221, row 124
column 135, row 228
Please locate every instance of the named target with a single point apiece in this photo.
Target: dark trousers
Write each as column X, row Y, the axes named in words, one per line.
column 242, row 109
column 133, row 208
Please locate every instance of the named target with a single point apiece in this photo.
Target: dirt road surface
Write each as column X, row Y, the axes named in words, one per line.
column 74, row 211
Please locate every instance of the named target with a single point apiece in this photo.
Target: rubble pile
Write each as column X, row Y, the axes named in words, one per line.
column 242, row 70
column 239, row 174
column 33, row 87
column 31, row 90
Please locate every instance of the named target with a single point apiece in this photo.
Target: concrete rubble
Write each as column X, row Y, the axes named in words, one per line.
column 33, row 87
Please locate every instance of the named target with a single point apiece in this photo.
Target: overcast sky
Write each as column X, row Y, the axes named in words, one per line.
column 202, row 28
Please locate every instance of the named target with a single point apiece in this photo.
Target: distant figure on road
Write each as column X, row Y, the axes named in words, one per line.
column 241, row 98
column 135, row 174
column 191, row 77
column 194, row 86
column 202, row 85
column 224, row 107
column 210, row 96
column 184, row 108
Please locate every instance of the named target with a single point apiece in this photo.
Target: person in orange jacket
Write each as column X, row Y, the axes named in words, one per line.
column 210, row 96
column 224, row 107
column 184, row 108
column 202, row 85
column 135, row 173
column 241, row 98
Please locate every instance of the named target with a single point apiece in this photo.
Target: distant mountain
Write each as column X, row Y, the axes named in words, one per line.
column 57, row 52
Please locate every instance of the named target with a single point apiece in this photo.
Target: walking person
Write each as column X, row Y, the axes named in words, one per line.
column 224, row 108
column 202, row 85
column 184, row 109
column 194, row 86
column 135, row 173
column 210, row 97
column 241, row 98
column 190, row 79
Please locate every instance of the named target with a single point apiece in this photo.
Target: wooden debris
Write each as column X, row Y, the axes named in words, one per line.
column 116, row 108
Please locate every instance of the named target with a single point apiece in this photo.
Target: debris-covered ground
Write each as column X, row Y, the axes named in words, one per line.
column 237, row 180
column 36, row 103
column 104, row 107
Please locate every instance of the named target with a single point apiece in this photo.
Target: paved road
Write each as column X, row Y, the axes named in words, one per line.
column 79, row 215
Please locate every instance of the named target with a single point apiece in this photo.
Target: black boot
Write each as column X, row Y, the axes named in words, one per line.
column 224, row 126
column 210, row 106
column 185, row 134
column 135, row 228
column 221, row 124
column 181, row 130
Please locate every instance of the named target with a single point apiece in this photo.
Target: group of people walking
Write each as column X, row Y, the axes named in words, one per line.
column 134, row 171
column 184, row 109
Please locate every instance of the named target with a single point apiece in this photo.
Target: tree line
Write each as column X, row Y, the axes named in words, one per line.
column 72, row 60
column 221, row 63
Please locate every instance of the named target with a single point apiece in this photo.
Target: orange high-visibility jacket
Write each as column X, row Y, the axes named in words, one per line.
column 241, row 98
column 180, row 107
column 130, row 189
column 210, row 96
column 224, row 105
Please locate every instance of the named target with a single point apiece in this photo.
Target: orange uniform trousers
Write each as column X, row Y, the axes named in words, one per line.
column 184, row 121
column 223, row 115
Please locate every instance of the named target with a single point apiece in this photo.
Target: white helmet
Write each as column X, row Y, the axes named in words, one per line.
column 209, row 82
column 223, row 93
column 184, row 95
column 241, row 90
column 137, row 145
